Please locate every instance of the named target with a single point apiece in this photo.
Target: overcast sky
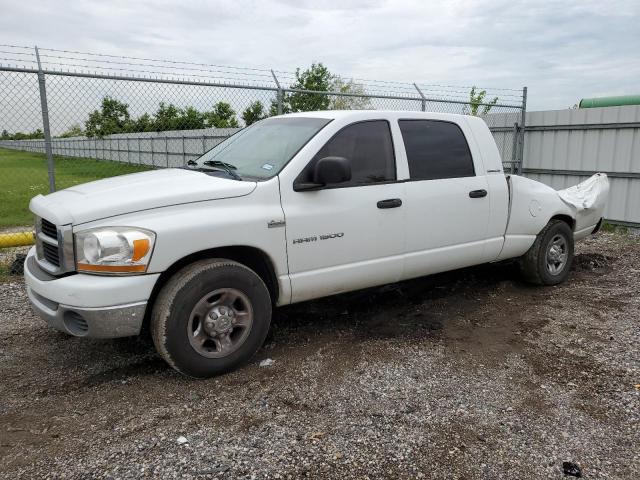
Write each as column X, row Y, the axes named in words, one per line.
column 562, row 50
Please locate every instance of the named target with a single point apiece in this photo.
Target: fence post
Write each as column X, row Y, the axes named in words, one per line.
column 514, row 148
column 523, row 127
column 45, row 124
column 280, row 93
column 184, row 152
column 424, row 99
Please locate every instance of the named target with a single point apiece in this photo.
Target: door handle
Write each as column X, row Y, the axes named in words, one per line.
column 478, row 193
column 390, row 203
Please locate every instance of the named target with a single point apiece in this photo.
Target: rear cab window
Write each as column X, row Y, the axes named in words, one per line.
column 436, row 150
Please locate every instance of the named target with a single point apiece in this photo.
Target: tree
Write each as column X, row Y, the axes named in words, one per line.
column 348, row 102
column 144, row 123
column 167, row 117
column 317, row 78
column 170, row 117
column 74, row 131
column 21, row 135
column 113, row 117
column 222, row 116
column 477, row 103
column 191, row 119
column 253, row 113
column 273, row 109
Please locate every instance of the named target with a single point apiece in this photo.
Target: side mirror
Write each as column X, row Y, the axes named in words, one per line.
column 327, row 170
column 332, row 170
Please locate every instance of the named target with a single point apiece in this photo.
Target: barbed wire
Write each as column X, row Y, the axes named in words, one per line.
column 409, row 86
column 8, row 59
column 394, row 86
column 245, row 76
column 267, row 75
column 15, row 46
column 155, row 60
column 18, row 53
column 133, row 71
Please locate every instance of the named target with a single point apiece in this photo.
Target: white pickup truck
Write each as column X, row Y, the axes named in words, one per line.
column 292, row 208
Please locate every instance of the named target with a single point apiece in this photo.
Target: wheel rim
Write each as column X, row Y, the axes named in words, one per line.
column 557, row 255
column 220, row 322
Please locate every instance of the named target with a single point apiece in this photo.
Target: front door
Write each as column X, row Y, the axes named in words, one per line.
column 350, row 235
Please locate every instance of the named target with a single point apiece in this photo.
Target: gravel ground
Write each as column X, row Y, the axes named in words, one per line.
column 471, row 374
column 8, row 255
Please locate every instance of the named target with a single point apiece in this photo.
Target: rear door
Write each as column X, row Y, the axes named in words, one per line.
column 446, row 199
column 350, row 235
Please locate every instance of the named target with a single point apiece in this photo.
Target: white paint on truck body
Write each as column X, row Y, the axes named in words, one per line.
column 357, row 245
column 134, row 192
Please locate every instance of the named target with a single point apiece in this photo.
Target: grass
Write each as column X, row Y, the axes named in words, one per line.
column 23, row 175
column 613, row 228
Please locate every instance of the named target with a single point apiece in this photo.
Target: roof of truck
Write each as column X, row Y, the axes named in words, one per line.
column 335, row 114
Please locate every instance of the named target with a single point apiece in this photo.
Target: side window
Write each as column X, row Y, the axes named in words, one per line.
column 368, row 146
column 436, row 149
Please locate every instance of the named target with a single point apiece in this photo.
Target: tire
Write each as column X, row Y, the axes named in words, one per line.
column 210, row 317
column 543, row 266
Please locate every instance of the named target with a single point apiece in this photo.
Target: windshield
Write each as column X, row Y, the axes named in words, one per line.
column 262, row 149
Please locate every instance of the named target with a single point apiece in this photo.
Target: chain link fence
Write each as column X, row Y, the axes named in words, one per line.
column 71, row 117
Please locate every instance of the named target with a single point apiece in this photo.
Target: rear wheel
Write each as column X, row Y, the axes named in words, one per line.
column 211, row 317
column 549, row 259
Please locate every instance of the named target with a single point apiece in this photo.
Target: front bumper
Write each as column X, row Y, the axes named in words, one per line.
column 89, row 305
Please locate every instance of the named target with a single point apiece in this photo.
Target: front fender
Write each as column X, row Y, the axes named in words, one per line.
column 186, row 229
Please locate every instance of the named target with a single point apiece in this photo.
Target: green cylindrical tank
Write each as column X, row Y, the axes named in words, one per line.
column 609, row 101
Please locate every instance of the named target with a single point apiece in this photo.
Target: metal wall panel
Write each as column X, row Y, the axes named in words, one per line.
column 171, row 148
column 589, row 140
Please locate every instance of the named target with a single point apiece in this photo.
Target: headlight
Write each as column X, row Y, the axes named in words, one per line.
column 115, row 250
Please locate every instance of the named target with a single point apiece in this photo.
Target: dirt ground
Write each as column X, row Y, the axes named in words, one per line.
column 471, row 374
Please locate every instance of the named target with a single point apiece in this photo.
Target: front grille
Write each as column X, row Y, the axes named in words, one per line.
column 49, row 229
column 54, row 247
column 51, row 254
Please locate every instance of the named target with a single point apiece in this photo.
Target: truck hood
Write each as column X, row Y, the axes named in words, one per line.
column 134, row 192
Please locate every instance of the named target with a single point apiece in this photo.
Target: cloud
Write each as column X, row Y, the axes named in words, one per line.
column 562, row 50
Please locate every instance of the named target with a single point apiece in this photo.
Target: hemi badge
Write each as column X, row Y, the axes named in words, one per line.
column 276, row 223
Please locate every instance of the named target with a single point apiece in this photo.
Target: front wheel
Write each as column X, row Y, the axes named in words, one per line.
column 211, row 317
column 549, row 259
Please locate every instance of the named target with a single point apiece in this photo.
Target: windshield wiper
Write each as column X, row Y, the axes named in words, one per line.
column 218, row 163
column 227, row 168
